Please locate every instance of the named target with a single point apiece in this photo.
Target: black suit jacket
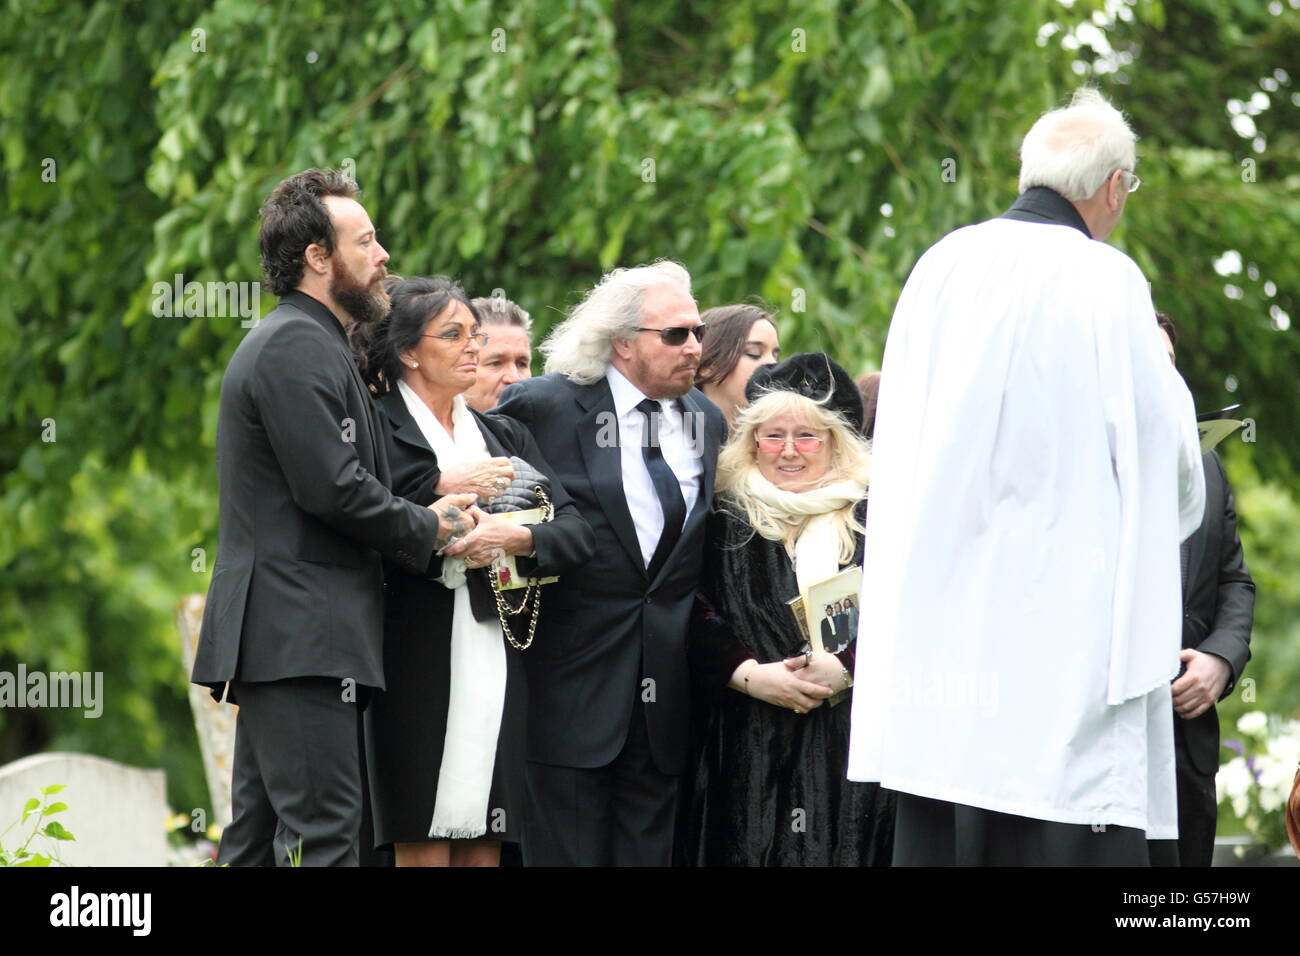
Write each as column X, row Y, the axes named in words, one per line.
column 305, row 512
column 607, row 626
column 1219, row 606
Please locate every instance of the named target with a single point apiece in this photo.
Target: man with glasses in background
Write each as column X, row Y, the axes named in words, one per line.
column 634, row 444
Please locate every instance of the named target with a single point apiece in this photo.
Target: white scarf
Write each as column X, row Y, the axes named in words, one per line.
column 478, row 657
column 817, row 549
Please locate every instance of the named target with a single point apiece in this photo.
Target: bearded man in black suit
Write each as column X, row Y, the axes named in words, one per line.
column 294, row 617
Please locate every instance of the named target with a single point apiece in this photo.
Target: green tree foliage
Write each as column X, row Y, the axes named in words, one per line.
column 805, row 154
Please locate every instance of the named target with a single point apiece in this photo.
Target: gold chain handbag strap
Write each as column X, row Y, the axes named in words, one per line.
column 532, row 591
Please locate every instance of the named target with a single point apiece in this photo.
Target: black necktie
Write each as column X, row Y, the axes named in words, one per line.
column 666, row 485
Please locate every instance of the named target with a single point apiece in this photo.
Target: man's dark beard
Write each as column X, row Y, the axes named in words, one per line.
column 365, row 305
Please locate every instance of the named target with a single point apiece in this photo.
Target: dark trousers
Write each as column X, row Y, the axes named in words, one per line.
column 937, row 833
column 621, row 814
column 1198, row 811
column 297, row 775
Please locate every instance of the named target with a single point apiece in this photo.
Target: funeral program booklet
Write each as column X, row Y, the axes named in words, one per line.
column 508, row 575
column 827, row 614
column 1214, row 427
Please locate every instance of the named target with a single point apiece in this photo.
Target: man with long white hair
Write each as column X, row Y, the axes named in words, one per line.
column 634, row 444
column 1036, row 466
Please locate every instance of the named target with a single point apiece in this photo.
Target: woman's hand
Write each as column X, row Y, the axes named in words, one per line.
column 821, row 667
column 491, row 539
column 484, row 479
column 777, row 685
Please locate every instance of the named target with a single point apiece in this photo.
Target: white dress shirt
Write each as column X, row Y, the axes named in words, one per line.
column 681, row 451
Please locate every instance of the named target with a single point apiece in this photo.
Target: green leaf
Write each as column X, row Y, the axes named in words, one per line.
column 54, row 808
column 37, row 860
column 55, row 831
column 170, row 145
column 470, row 241
column 53, row 788
column 29, row 806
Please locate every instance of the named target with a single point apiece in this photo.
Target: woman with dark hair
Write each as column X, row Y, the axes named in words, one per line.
column 770, row 785
column 445, row 739
column 740, row 339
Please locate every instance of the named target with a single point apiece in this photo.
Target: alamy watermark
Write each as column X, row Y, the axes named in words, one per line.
column 129, row 910
column 948, row 690
column 692, row 427
column 76, row 689
column 193, row 299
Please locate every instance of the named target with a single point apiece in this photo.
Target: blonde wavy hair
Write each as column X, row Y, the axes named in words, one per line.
column 850, row 461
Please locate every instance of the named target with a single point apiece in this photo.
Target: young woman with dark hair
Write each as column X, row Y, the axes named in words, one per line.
column 740, row 339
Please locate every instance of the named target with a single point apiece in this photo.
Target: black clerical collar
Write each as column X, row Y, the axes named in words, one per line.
column 317, row 309
column 1041, row 204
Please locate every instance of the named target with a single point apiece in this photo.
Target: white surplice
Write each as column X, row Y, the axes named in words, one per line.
column 1035, row 467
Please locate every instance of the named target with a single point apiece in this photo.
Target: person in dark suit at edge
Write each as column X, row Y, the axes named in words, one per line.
column 1219, row 609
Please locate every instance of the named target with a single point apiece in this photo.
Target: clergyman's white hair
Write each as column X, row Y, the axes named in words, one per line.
column 579, row 348
column 1073, row 149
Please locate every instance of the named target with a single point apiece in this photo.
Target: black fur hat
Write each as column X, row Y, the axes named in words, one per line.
column 813, row 375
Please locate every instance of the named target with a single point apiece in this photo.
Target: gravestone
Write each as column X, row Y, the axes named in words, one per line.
column 117, row 813
column 215, row 722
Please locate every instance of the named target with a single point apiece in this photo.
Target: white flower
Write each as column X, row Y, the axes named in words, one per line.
column 1234, row 782
column 1252, row 723
column 1285, row 749
column 1274, row 782
column 1272, row 798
